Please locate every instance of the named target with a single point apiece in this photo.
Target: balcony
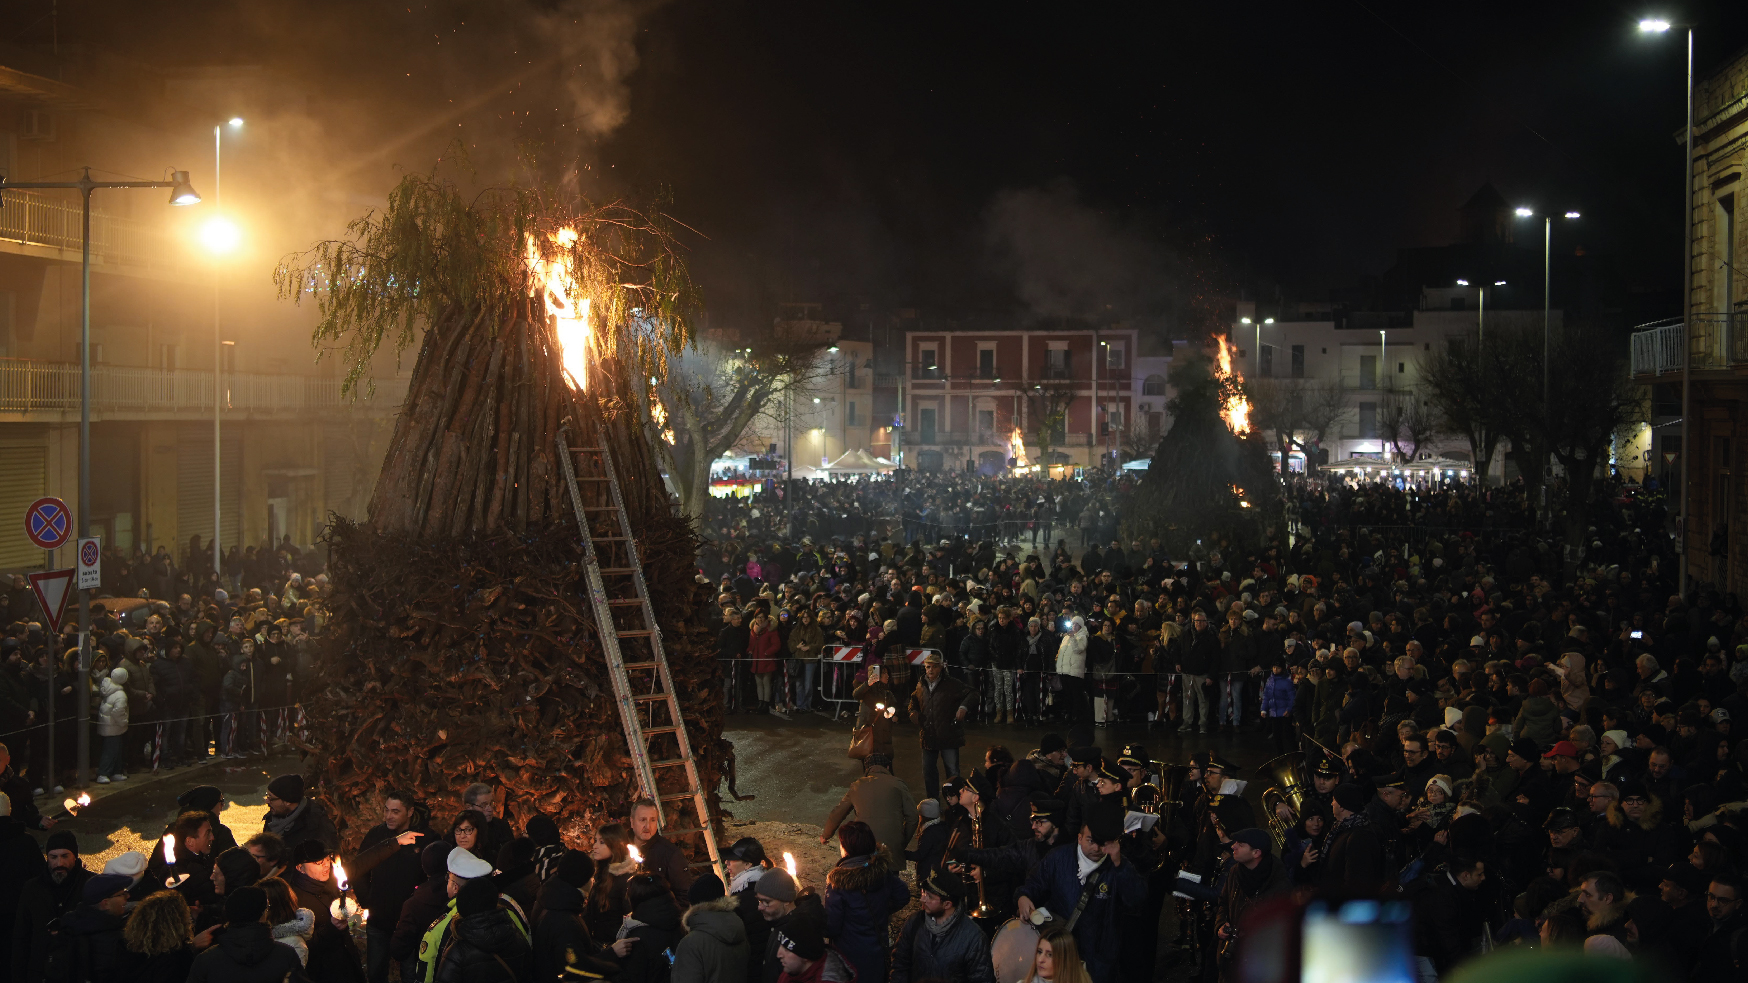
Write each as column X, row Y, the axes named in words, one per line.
column 47, row 225
column 47, row 391
column 987, row 438
column 1719, row 341
column 1656, row 350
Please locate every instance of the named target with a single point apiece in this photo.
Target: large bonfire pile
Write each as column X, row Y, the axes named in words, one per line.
column 1211, row 476
column 461, row 645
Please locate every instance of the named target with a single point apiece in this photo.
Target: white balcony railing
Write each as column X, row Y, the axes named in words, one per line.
column 51, row 219
column 1657, row 350
column 30, row 386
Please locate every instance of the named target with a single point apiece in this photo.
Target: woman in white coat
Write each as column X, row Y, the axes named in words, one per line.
column 111, row 724
column 1071, row 672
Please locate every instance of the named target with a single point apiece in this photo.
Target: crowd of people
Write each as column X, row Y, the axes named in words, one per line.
column 1531, row 742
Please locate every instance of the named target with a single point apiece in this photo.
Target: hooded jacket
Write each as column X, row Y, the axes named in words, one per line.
column 860, row 897
column 715, row 949
column 296, row 933
column 655, row 924
column 561, row 937
column 427, row 904
column 486, row 947
column 1071, row 654
column 1539, row 720
column 111, row 708
column 247, row 954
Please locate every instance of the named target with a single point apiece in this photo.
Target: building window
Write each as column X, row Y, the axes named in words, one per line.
column 1114, row 416
column 1154, row 385
column 985, row 422
column 1298, row 361
column 1056, row 360
column 927, row 367
column 850, row 415
column 1368, row 371
column 850, row 375
column 1116, row 357
column 986, row 362
column 1266, row 366
column 1368, row 420
column 1725, row 244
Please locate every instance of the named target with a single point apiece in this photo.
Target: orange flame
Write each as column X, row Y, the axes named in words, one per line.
column 635, row 854
column 339, row 874
column 789, row 862
column 170, row 849
column 1234, row 405
column 84, row 798
column 1017, row 447
column 555, row 280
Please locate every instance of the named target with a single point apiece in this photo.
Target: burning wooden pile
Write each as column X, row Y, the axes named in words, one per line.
column 461, row 645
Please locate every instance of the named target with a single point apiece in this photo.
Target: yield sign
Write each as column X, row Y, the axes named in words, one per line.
column 52, row 588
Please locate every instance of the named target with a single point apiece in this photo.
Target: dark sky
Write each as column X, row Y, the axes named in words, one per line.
column 1095, row 160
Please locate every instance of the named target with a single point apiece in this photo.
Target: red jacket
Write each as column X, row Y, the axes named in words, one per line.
column 763, row 650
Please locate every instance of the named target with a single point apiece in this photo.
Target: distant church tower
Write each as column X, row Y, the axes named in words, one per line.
column 1485, row 217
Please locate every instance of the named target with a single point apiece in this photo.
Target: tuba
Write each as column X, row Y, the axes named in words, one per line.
column 1289, row 779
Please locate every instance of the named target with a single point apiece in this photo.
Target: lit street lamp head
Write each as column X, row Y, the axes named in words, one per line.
column 182, row 193
column 1462, row 283
column 1525, row 212
column 1571, row 214
column 220, row 236
column 236, row 122
column 1653, row 25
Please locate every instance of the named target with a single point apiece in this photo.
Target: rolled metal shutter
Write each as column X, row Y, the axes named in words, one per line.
column 23, row 480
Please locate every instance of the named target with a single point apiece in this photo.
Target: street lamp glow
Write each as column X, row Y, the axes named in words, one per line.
column 1653, row 25
column 236, row 121
column 220, row 235
column 182, row 193
column 1462, row 283
column 1524, row 213
column 1571, row 214
column 833, row 349
column 1244, row 320
column 1268, row 320
column 1499, row 283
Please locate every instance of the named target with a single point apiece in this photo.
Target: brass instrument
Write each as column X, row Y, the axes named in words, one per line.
column 1171, row 783
column 1290, row 779
column 983, row 911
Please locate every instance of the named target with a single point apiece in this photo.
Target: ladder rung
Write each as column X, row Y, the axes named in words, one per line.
column 617, row 571
column 621, row 602
column 669, row 729
column 600, row 508
column 633, row 632
column 648, row 697
column 667, row 762
column 611, row 539
column 677, row 796
column 638, row 665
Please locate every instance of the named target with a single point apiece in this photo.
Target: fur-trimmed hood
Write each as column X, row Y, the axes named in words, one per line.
column 718, row 919
column 863, row 873
column 728, row 903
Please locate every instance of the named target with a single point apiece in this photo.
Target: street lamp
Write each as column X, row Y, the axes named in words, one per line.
column 1547, row 296
column 221, row 238
column 181, row 193
column 1258, row 359
column 1660, row 25
column 1481, row 310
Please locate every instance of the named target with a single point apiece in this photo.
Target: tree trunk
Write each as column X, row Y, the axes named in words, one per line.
column 461, row 646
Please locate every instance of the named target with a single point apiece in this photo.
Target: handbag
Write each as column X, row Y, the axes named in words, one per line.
column 862, row 742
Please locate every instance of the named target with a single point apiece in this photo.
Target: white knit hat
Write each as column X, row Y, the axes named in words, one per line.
column 465, row 865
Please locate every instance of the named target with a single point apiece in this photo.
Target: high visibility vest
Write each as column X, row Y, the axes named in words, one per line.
column 436, row 938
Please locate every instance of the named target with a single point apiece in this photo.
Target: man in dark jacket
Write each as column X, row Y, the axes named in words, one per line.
column 1254, row 874
column 939, row 706
column 1096, row 867
column 660, row 854
column 295, row 817
column 1353, row 860
column 50, row 895
column 782, row 904
column 246, row 952
column 427, row 904
column 941, row 941
column 1198, row 653
column 20, row 862
column 485, row 942
column 93, row 930
column 173, row 676
column 1724, row 901
column 384, row 874
column 1447, row 915
column 560, row 936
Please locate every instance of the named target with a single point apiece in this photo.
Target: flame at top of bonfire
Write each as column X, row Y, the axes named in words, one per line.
column 555, row 280
column 1234, row 405
column 1017, row 447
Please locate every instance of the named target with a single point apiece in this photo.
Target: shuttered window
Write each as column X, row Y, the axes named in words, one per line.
column 23, row 480
column 194, row 484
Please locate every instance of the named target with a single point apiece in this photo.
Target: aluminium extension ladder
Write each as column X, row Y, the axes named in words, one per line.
column 605, row 524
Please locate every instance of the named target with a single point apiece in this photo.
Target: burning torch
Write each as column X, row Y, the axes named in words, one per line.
column 74, row 805
column 343, row 909
column 175, row 880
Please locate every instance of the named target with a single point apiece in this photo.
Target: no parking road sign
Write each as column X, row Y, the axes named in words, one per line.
column 90, row 559
column 47, row 523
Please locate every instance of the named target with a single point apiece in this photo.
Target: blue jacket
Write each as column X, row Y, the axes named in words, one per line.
column 962, row 955
column 860, row 896
column 1278, row 694
column 1055, row 884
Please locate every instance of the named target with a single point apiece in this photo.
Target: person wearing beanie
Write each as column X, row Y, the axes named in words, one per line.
column 1253, row 875
column 486, row 943
column 548, row 846
column 1352, row 859
column 806, row 958
column 883, row 801
column 561, row 934
column 384, row 874
column 463, row 869
column 782, row 903
column 245, row 952
column 91, row 933
column 715, row 948
column 1051, row 759
column 295, row 817
column 515, row 872
column 53, row 891
column 425, row 905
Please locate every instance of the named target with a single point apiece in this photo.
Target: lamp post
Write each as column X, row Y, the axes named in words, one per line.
column 1658, row 25
column 1481, row 310
column 1547, row 305
column 221, row 238
column 181, row 193
column 1258, row 359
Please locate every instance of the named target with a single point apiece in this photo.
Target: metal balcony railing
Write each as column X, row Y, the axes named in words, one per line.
column 53, row 220
column 1715, row 341
column 31, row 386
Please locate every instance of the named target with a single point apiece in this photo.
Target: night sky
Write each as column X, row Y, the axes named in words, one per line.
column 1008, row 160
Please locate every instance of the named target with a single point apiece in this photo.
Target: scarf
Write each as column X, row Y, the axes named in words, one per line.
column 940, row 927
column 745, row 879
column 278, row 825
column 1085, row 867
column 1355, row 820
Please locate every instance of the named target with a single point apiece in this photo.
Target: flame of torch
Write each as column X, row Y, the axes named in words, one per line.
column 1234, row 405
column 84, row 799
column 170, row 849
column 555, row 280
column 635, row 854
column 789, row 862
column 339, row 874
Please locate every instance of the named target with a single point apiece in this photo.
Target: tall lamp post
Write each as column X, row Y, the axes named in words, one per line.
column 1547, row 305
column 221, row 238
column 1481, row 310
column 1658, row 25
column 181, row 193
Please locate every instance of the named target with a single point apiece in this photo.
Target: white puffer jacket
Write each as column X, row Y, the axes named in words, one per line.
column 296, row 934
column 112, row 711
column 1071, row 654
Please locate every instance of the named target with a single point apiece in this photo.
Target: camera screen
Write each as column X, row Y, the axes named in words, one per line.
column 1358, row 942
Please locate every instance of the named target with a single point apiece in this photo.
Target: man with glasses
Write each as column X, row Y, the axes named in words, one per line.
column 1197, row 654
column 1724, row 907
column 295, row 817
column 1418, row 766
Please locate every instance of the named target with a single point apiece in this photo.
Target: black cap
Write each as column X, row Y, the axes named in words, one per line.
column 1104, row 822
column 1562, row 818
column 1634, row 790
column 1051, row 744
column 748, row 851
column 1390, row 781
column 1051, row 809
column 1216, row 760
column 245, row 905
column 1351, row 797
column 952, row 787
column 943, row 883
column 1326, row 768
column 1107, row 773
column 1526, row 748
column 1089, row 755
column 201, row 798
column 1134, row 754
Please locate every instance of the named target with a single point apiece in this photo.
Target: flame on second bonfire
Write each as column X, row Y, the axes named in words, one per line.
column 1017, row 447
column 1234, row 405
column 555, row 280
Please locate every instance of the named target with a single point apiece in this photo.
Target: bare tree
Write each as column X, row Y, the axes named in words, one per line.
column 1047, row 407
column 1300, row 413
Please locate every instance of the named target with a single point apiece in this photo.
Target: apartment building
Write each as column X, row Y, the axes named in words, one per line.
column 165, row 314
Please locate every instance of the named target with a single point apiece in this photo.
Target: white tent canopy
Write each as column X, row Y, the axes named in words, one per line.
column 856, row 461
